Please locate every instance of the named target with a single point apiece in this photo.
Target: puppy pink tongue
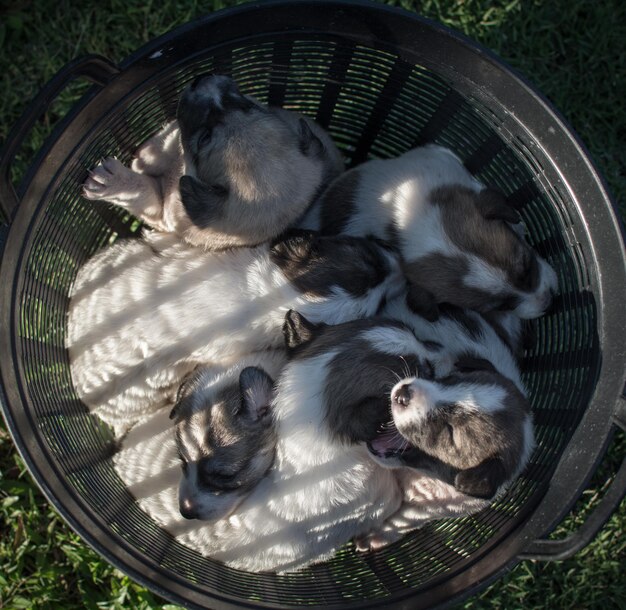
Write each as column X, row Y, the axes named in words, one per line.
column 387, row 442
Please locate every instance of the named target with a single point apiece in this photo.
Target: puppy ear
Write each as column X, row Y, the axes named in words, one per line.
column 310, row 144
column 422, row 302
column 468, row 363
column 493, row 206
column 203, row 203
column 257, row 390
column 297, row 330
column 293, row 246
column 483, row 480
column 185, row 389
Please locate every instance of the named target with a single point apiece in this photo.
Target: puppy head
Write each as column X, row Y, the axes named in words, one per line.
column 368, row 358
column 354, row 273
column 225, row 441
column 473, row 428
column 486, row 264
column 246, row 166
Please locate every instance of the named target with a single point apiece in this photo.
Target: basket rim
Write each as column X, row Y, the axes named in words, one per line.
column 14, row 396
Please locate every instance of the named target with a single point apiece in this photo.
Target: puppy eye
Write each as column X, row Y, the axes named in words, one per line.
column 450, row 431
column 205, row 137
column 426, row 370
column 507, row 304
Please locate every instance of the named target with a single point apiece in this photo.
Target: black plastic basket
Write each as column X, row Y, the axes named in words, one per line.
column 382, row 81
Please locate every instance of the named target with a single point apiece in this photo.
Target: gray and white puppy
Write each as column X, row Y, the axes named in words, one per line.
column 144, row 313
column 228, row 172
column 222, row 434
column 323, row 489
column 458, row 441
column 461, row 243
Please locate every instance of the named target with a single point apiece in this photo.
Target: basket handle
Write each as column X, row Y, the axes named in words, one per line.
column 95, row 68
column 557, row 550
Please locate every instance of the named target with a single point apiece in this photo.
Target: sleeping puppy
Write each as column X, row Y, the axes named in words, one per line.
column 461, row 243
column 222, row 434
column 458, row 441
column 495, row 337
column 228, row 172
column 144, row 313
column 323, row 488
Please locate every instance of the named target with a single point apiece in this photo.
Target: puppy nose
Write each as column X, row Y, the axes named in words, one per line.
column 187, row 509
column 402, row 396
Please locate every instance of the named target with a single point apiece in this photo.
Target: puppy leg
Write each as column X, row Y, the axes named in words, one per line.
column 140, row 194
column 403, row 521
column 156, row 156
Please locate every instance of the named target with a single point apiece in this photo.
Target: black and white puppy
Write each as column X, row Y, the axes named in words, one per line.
column 323, row 488
column 461, row 243
column 228, row 172
column 460, row 440
column 144, row 313
column 222, row 434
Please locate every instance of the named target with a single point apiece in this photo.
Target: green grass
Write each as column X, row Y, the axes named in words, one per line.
column 574, row 51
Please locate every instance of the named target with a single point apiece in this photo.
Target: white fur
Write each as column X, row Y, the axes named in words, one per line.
column 148, row 461
column 318, row 495
column 145, row 313
column 399, row 191
column 456, row 341
column 424, row 498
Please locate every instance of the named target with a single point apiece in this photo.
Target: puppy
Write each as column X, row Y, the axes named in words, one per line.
column 495, row 337
column 461, row 243
column 323, row 488
column 228, row 172
column 458, row 441
column 145, row 313
column 222, row 436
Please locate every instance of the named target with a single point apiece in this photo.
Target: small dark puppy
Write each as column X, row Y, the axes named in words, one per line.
column 223, row 436
column 225, row 440
column 228, row 172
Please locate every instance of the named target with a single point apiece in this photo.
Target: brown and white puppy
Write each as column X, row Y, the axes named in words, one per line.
column 222, row 434
column 461, row 243
column 228, row 172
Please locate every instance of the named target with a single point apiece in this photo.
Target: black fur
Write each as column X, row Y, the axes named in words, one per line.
column 298, row 331
column 204, row 204
column 337, row 203
column 483, row 480
column 310, row 144
column 315, row 264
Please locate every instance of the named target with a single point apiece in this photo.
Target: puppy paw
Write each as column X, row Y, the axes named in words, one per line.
column 375, row 540
column 110, row 180
column 156, row 156
column 149, row 159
